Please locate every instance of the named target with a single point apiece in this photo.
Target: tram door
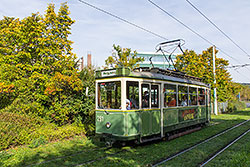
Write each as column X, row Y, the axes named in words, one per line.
column 150, row 115
column 155, row 106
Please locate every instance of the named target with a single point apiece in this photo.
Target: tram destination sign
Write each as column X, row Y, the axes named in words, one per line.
column 108, row 73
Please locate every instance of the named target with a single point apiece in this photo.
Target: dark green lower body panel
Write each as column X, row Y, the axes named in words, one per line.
column 183, row 125
column 177, row 118
column 140, row 124
column 122, row 124
column 150, row 122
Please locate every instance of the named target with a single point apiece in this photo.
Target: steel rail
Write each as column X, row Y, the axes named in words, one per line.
column 69, row 155
column 196, row 145
column 226, row 147
column 98, row 159
column 107, row 148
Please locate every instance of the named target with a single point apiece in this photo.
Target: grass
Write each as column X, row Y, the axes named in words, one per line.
column 236, row 155
column 85, row 149
column 24, row 156
column 203, row 151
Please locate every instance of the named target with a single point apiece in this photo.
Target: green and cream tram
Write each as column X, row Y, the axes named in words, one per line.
column 148, row 103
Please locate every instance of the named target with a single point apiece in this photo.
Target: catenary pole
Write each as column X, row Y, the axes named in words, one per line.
column 215, row 95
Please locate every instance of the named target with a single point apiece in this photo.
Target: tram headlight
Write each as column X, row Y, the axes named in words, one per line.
column 108, row 125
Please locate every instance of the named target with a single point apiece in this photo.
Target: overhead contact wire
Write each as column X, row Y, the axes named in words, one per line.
column 124, row 20
column 218, row 28
column 151, row 32
column 190, row 29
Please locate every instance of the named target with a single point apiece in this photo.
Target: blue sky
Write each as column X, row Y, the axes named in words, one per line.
column 96, row 32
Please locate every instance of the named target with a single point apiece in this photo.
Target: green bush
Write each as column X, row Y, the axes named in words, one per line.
column 26, row 105
column 235, row 106
column 53, row 132
column 87, row 108
column 37, row 142
column 17, row 129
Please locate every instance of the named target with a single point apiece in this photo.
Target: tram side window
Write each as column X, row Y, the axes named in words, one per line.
column 169, row 95
column 109, row 95
column 133, row 94
column 182, row 95
column 201, row 98
column 145, row 95
column 154, row 96
column 192, row 96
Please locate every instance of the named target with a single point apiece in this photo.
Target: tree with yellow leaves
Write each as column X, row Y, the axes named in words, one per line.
column 37, row 66
column 122, row 57
column 201, row 65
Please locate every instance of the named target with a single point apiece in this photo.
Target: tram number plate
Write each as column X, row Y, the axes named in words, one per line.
column 100, row 118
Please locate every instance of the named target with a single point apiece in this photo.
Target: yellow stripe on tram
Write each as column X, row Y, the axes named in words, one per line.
column 152, row 109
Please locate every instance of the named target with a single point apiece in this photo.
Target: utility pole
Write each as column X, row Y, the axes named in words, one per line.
column 215, row 96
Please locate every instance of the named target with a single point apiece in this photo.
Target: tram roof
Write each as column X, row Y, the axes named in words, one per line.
column 150, row 73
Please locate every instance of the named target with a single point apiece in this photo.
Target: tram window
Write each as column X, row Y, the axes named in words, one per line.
column 192, row 96
column 154, row 96
column 145, row 95
column 182, row 95
column 169, row 95
column 109, row 95
column 133, row 94
column 201, row 96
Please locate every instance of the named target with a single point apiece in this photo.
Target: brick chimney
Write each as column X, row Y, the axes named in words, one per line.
column 89, row 60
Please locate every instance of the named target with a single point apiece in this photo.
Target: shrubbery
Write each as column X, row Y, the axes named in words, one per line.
column 235, row 106
column 42, row 93
column 87, row 108
column 17, row 129
column 38, row 70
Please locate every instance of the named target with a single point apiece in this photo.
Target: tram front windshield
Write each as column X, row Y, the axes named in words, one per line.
column 109, row 95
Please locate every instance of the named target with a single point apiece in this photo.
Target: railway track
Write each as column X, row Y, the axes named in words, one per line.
column 211, row 157
column 157, row 163
column 171, row 138
column 98, row 159
column 70, row 155
column 104, row 149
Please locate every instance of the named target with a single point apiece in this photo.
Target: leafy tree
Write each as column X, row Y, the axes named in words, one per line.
column 87, row 109
column 201, row 65
column 245, row 93
column 6, row 94
column 37, row 66
column 122, row 57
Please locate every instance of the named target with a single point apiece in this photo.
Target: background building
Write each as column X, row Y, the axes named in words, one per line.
column 158, row 60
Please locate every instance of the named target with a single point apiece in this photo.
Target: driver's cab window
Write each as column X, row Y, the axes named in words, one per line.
column 109, row 95
column 132, row 101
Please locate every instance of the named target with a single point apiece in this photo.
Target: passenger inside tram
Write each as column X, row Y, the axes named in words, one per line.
column 145, row 101
column 172, row 101
column 133, row 102
column 184, row 101
column 128, row 105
